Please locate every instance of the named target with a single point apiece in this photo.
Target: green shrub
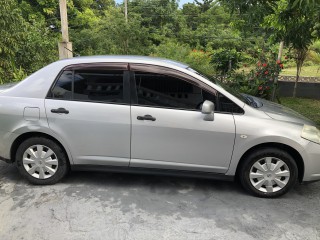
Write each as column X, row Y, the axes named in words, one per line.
column 197, row 59
column 259, row 81
column 225, row 60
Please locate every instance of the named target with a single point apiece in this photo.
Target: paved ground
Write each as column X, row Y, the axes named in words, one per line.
column 122, row 206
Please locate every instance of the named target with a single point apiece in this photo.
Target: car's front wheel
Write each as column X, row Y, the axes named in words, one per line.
column 41, row 161
column 268, row 172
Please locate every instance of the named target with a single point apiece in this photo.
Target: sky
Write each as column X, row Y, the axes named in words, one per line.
column 181, row 2
column 184, row 2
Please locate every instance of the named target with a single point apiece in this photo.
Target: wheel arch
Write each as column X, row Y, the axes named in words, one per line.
column 21, row 138
column 290, row 150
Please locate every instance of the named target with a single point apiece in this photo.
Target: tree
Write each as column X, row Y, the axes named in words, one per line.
column 294, row 26
column 210, row 29
column 191, row 13
column 26, row 44
column 38, row 47
column 204, row 5
column 160, row 17
column 111, row 34
column 314, row 54
column 225, row 61
column 306, row 5
column 249, row 14
column 11, row 32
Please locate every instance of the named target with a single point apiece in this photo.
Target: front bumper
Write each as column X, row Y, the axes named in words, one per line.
column 312, row 162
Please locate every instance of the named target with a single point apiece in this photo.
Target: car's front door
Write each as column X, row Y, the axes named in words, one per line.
column 168, row 129
column 89, row 108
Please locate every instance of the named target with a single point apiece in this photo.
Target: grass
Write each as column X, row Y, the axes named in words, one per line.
column 307, row 71
column 307, row 107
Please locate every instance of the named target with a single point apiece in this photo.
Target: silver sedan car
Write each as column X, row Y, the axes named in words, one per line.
column 155, row 116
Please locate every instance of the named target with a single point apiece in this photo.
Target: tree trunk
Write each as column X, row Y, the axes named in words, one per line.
column 301, row 56
column 230, row 66
column 296, row 84
column 275, row 79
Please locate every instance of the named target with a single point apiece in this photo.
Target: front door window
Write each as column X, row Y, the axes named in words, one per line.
column 160, row 90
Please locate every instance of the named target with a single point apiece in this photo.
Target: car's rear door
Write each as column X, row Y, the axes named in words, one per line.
column 168, row 129
column 89, row 108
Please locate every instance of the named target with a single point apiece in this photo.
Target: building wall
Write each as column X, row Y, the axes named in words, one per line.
column 304, row 89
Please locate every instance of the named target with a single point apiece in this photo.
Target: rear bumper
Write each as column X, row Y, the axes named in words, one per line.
column 6, row 140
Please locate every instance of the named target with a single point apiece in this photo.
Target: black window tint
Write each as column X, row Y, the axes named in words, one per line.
column 226, row 105
column 166, row 91
column 211, row 97
column 98, row 85
column 63, row 87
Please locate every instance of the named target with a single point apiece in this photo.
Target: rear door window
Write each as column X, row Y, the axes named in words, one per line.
column 98, row 86
column 90, row 85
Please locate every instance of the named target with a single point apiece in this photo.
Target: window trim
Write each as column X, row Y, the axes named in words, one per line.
column 105, row 66
column 134, row 67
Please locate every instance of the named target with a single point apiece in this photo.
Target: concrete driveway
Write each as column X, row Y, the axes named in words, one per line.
column 90, row 205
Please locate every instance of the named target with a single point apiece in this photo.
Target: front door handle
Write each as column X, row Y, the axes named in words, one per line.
column 146, row 117
column 60, row 110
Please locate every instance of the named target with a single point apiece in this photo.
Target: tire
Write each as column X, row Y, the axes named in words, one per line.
column 268, row 173
column 54, row 166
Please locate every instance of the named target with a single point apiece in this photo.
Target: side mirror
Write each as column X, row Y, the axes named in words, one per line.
column 208, row 109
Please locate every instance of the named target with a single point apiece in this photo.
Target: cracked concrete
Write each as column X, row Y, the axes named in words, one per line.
column 89, row 205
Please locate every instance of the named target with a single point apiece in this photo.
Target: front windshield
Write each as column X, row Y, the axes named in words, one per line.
column 224, row 86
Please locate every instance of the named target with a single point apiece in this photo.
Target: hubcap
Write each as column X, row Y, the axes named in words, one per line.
column 269, row 174
column 40, row 161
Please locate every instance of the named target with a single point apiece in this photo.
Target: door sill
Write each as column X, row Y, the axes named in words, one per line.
column 152, row 171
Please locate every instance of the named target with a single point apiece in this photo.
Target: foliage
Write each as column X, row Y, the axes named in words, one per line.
column 268, row 70
column 266, row 73
column 39, row 47
column 294, row 26
column 200, row 61
column 11, row 32
column 314, row 54
column 197, row 59
column 312, row 9
column 225, row 60
column 159, row 17
column 112, row 35
column 249, row 83
column 18, row 74
column 249, row 15
column 25, row 46
column 260, row 80
column 204, row 5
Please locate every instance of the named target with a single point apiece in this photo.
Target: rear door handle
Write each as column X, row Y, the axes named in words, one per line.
column 60, row 110
column 146, row 117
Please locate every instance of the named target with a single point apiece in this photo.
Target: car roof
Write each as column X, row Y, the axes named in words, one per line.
column 125, row 58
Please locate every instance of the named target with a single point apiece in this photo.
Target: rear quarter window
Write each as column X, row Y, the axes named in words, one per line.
column 63, row 86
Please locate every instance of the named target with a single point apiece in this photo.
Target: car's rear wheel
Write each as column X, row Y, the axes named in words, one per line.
column 41, row 161
column 268, row 172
